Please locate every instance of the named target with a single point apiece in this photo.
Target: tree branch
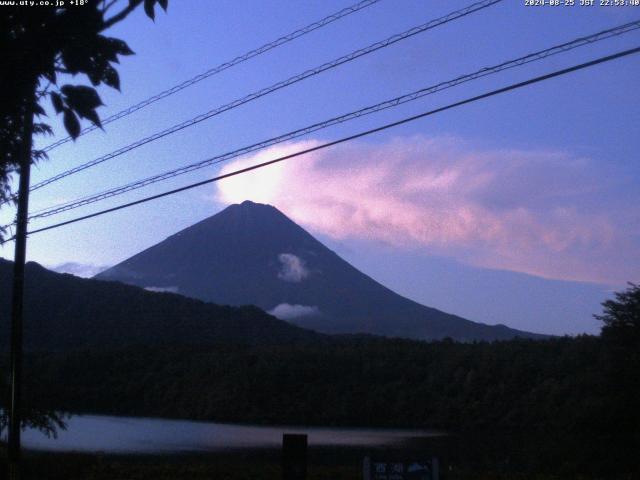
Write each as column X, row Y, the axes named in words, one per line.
column 106, row 6
column 43, row 92
column 118, row 17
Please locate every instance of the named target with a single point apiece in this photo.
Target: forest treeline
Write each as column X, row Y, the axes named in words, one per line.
column 577, row 396
column 568, row 384
column 565, row 407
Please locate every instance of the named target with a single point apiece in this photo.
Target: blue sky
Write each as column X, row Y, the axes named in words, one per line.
column 521, row 209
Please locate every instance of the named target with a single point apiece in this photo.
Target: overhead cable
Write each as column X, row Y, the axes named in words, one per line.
column 222, row 67
column 275, row 87
column 532, row 57
column 492, row 93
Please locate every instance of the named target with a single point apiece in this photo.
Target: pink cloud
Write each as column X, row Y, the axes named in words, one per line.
column 517, row 210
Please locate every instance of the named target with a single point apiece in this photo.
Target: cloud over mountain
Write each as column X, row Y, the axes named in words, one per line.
column 171, row 289
column 546, row 213
column 292, row 269
column 285, row 311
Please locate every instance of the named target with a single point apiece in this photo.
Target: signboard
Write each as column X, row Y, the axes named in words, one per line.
column 294, row 456
column 379, row 469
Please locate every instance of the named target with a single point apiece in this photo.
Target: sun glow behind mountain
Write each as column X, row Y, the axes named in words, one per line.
column 524, row 211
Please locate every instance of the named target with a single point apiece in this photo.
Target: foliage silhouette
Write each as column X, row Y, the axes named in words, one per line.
column 38, row 44
column 621, row 317
column 621, row 337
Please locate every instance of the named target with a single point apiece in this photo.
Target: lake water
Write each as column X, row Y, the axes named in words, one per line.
column 93, row 433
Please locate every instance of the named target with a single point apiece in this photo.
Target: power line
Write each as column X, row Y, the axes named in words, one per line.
column 224, row 66
column 492, row 93
column 277, row 86
column 539, row 55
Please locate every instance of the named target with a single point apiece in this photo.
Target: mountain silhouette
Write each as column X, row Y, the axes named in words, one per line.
column 253, row 254
column 64, row 312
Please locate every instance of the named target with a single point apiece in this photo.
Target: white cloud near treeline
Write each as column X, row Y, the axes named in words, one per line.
column 285, row 311
column 292, row 268
column 547, row 213
column 84, row 270
column 171, row 289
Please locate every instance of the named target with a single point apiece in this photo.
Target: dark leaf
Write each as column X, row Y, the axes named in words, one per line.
column 84, row 101
column 106, row 49
column 76, row 59
column 81, row 98
column 40, row 128
column 37, row 155
column 149, row 10
column 56, row 100
column 110, row 77
column 84, row 22
column 95, row 77
column 164, row 4
column 50, row 75
column 92, row 115
column 38, row 110
column 71, row 123
column 120, row 46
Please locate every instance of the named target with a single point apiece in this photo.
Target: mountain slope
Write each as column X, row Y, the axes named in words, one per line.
column 64, row 312
column 253, row 254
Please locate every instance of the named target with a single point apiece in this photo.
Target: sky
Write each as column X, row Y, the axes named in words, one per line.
column 521, row 209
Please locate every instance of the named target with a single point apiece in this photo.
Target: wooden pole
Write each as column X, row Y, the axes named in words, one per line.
column 14, row 448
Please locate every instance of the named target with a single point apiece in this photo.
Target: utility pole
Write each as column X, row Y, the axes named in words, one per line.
column 17, row 301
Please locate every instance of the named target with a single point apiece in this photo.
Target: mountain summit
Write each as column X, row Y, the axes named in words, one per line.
column 253, row 254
